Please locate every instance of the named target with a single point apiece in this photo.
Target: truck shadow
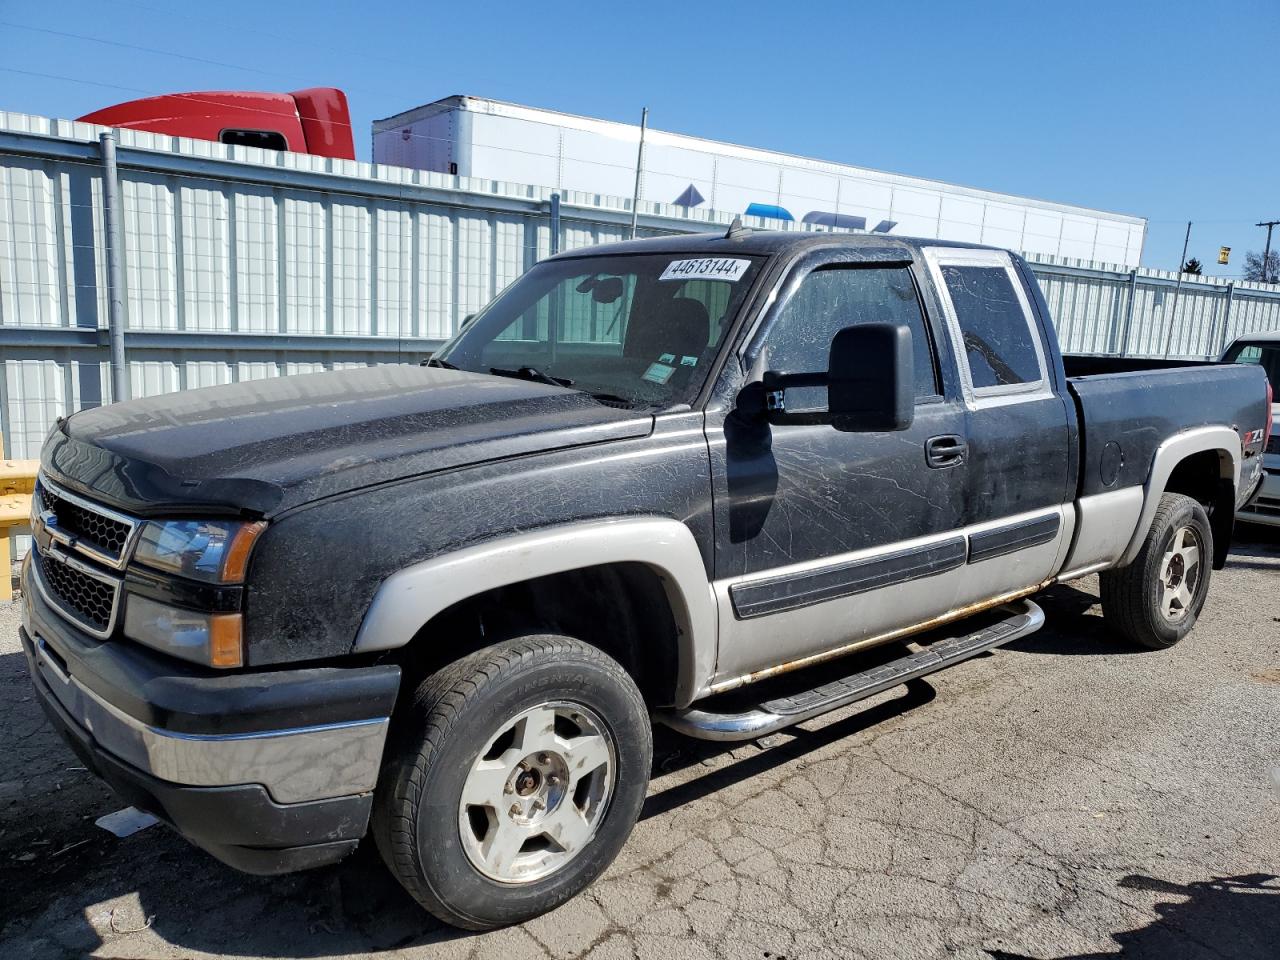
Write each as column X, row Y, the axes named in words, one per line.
column 1255, row 538
column 1255, row 547
column 63, row 876
column 71, row 888
column 1073, row 626
column 1232, row 918
column 674, row 753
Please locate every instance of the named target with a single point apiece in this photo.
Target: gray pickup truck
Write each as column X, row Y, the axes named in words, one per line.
column 444, row 603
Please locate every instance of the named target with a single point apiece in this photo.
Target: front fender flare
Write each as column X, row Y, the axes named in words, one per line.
column 409, row 598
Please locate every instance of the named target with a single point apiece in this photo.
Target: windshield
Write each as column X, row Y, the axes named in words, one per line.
column 636, row 330
column 1267, row 355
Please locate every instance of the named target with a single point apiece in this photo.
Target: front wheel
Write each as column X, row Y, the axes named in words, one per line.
column 513, row 781
column 1156, row 600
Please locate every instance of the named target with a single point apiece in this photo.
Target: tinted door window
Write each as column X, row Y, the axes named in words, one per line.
column 998, row 340
column 832, row 298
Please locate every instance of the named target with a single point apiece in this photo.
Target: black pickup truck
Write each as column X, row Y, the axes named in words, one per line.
column 443, row 603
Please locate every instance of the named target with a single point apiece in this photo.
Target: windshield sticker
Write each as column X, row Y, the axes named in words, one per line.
column 658, row 373
column 667, row 358
column 706, row 268
column 688, row 361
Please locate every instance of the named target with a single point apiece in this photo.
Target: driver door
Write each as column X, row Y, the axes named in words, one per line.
column 825, row 538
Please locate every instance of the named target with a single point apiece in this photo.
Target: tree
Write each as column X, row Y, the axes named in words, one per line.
column 1253, row 267
column 1192, row 266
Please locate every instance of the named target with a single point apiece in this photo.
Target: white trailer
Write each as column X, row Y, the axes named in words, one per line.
column 493, row 140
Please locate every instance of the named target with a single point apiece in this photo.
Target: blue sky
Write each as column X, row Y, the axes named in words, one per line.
column 1163, row 110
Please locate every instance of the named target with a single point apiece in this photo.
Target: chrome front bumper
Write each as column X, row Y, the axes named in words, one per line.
column 270, row 771
column 294, row 765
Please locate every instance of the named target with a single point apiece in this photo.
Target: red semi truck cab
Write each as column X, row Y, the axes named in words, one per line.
column 314, row 120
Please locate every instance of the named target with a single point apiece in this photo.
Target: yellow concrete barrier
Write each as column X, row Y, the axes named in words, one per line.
column 17, row 483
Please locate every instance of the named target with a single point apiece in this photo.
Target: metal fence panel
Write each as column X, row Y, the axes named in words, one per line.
column 243, row 263
column 1252, row 312
column 1087, row 310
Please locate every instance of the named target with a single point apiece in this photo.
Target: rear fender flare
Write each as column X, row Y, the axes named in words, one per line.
column 1222, row 440
column 411, row 597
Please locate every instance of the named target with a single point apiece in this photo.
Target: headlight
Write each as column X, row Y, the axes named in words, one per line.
column 212, row 639
column 215, row 551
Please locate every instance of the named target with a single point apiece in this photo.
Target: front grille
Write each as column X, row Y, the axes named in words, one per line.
column 97, row 529
column 86, row 598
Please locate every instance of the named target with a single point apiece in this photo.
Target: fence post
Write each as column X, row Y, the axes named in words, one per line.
column 1226, row 317
column 555, row 224
column 1128, row 313
column 115, row 267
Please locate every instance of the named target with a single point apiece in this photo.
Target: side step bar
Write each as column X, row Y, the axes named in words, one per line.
column 1024, row 617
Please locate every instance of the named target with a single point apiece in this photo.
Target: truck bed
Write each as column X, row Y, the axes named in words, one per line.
column 1138, row 409
column 1088, row 364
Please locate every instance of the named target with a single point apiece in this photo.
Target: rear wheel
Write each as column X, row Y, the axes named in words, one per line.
column 1156, row 600
column 513, row 781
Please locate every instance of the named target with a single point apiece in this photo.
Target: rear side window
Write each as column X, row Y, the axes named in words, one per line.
column 998, row 341
column 263, row 139
column 1266, row 356
column 832, row 298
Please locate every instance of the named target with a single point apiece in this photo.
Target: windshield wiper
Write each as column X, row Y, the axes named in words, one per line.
column 442, row 364
column 613, row 400
column 532, row 373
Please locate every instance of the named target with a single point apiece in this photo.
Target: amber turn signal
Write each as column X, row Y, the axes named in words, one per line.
column 236, row 563
column 226, row 648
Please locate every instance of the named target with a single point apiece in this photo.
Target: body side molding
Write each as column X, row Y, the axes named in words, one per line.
column 832, row 623
column 775, row 594
column 1013, row 537
column 1222, row 440
column 412, row 596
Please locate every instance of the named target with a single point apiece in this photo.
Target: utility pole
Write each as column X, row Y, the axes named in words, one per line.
column 1266, row 256
column 635, row 199
column 1186, row 241
column 1173, row 312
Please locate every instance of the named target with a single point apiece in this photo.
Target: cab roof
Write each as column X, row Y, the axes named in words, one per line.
column 1262, row 336
column 767, row 243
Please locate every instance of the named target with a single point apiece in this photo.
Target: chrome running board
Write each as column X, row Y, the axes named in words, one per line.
column 1024, row 617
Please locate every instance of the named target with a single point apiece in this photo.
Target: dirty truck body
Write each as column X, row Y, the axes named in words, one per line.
column 448, row 599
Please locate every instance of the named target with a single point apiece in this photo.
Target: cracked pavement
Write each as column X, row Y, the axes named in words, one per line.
column 1064, row 797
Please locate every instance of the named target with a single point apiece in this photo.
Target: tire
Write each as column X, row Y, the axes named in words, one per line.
column 1155, row 601
column 550, row 725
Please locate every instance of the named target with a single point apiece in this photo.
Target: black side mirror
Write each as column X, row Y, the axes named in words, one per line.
column 871, row 378
column 870, row 382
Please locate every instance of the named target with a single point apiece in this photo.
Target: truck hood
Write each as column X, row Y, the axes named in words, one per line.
column 265, row 446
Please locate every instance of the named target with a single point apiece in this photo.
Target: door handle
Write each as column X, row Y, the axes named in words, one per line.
column 947, row 450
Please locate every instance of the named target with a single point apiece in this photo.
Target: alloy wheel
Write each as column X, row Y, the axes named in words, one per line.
column 536, row 794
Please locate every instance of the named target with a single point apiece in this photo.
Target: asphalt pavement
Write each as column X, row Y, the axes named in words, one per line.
column 1066, row 796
